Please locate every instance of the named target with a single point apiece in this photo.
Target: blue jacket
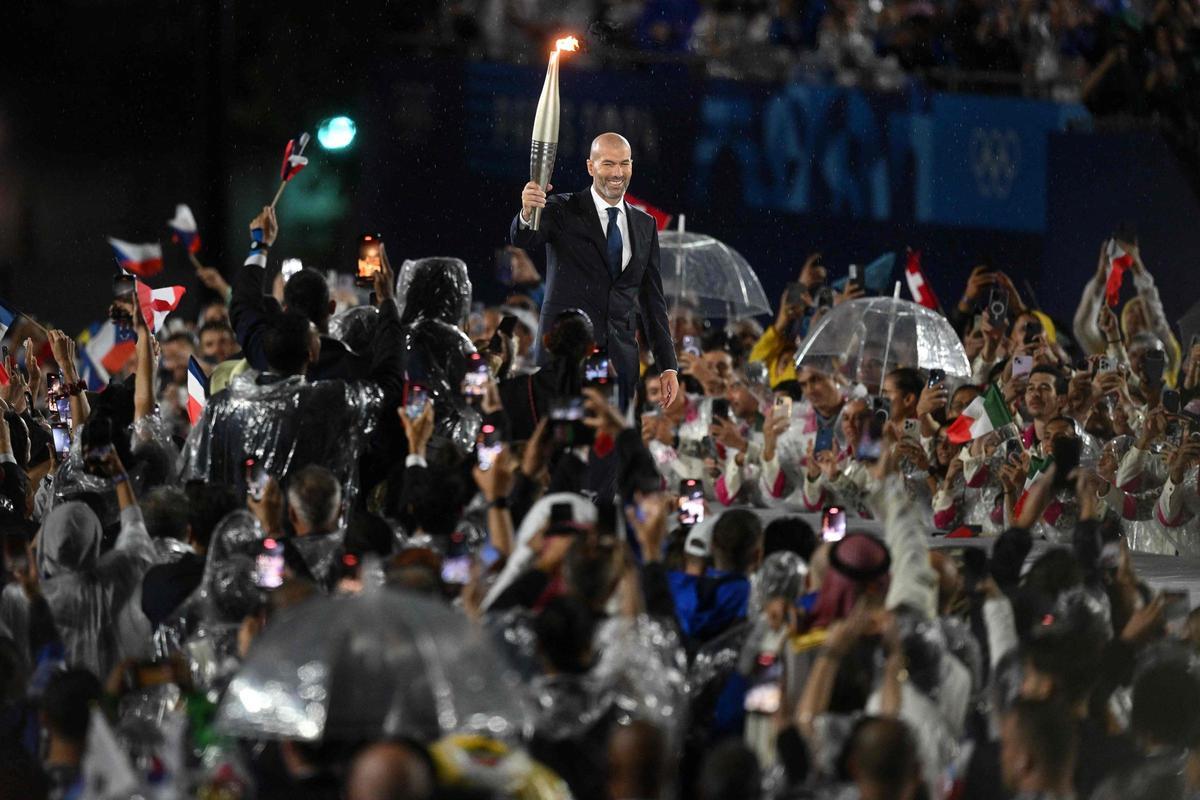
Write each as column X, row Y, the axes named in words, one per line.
column 705, row 606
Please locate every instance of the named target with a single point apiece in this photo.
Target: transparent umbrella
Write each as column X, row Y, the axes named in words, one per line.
column 699, row 270
column 381, row 663
column 865, row 339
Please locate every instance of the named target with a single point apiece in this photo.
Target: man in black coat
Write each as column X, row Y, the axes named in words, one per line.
column 602, row 257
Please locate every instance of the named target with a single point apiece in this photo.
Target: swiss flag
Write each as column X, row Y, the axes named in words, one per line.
column 918, row 285
column 661, row 218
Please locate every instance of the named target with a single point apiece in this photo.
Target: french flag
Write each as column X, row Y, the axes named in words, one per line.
column 107, row 349
column 918, row 284
column 158, row 303
column 8, row 318
column 661, row 218
column 293, row 158
column 1118, row 262
column 144, row 260
column 184, row 230
column 197, row 390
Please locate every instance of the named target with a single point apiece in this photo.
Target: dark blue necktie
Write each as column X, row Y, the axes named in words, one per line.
column 614, row 244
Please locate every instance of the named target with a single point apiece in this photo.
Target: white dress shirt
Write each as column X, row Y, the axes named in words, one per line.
column 602, row 207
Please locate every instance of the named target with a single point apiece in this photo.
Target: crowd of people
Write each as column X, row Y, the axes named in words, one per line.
column 1130, row 58
column 743, row 593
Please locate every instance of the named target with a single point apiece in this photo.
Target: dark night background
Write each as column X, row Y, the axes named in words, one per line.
column 111, row 113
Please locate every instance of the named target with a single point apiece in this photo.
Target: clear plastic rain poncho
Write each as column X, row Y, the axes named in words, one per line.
column 355, row 327
column 283, row 426
column 378, row 664
column 434, row 295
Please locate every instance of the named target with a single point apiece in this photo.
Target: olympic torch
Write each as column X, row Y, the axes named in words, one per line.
column 545, row 125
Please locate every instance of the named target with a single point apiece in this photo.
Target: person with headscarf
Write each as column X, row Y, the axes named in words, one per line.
column 86, row 588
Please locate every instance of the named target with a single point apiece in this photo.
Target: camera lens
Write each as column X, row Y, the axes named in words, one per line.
column 996, row 309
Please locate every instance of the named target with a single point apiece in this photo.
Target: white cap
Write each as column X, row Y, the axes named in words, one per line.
column 699, row 539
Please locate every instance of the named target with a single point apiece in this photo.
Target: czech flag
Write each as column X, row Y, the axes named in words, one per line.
column 293, row 158
column 8, row 318
column 661, row 218
column 183, row 229
column 197, row 390
column 1118, row 261
column 158, row 303
column 106, row 348
column 918, row 285
column 144, row 260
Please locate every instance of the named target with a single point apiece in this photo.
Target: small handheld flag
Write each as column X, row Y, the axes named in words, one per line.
column 106, row 349
column 197, row 389
column 661, row 218
column 8, row 317
column 294, row 160
column 918, row 284
column 985, row 414
column 144, row 260
column 1118, row 262
column 158, row 303
column 184, row 230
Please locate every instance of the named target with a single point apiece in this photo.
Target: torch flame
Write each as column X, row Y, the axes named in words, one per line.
column 568, row 43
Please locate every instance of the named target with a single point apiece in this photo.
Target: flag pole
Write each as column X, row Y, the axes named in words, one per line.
column 279, row 193
column 195, row 261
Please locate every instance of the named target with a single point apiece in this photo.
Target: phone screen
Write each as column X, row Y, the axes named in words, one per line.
column 794, row 294
column 691, row 501
column 268, row 566
column 476, row 380
column 595, row 370
column 457, row 570
column 415, row 399
column 833, row 524
column 488, row 448
column 369, row 261
column 290, row 267
column 1022, row 365
column 62, row 439
column 256, row 479
column 765, row 693
column 870, row 441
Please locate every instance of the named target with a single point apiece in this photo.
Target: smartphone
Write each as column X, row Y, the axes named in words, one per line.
column 474, row 385
column 1066, row 452
column 997, row 308
column 566, row 419
column 1170, row 401
column 1154, row 362
column 691, row 344
column 456, row 571
column 833, row 524
column 691, row 501
column 911, row 429
column 488, row 448
column 508, row 325
column 256, row 479
column 96, row 444
column 765, row 693
column 1013, row 447
column 720, row 408
column 369, row 261
column 870, row 441
column 1033, row 329
column 1106, row 364
column 290, row 267
column 61, row 431
column 794, row 294
column 936, row 377
column 562, row 520
column 268, row 566
column 1022, row 365
column 53, row 384
column 882, row 407
column 596, row 370
column 824, row 297
column 853, row 277
column 783, row 406
column 416, row 397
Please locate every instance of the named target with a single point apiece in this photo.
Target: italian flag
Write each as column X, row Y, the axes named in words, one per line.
column 987, row 413
column 1037, row 466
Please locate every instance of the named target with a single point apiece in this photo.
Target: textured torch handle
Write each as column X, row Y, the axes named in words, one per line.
column 541, row 165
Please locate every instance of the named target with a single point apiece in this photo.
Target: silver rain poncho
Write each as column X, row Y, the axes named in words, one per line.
column 283, row 426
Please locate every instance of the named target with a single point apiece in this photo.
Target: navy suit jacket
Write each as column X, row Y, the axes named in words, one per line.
column 577, row 276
